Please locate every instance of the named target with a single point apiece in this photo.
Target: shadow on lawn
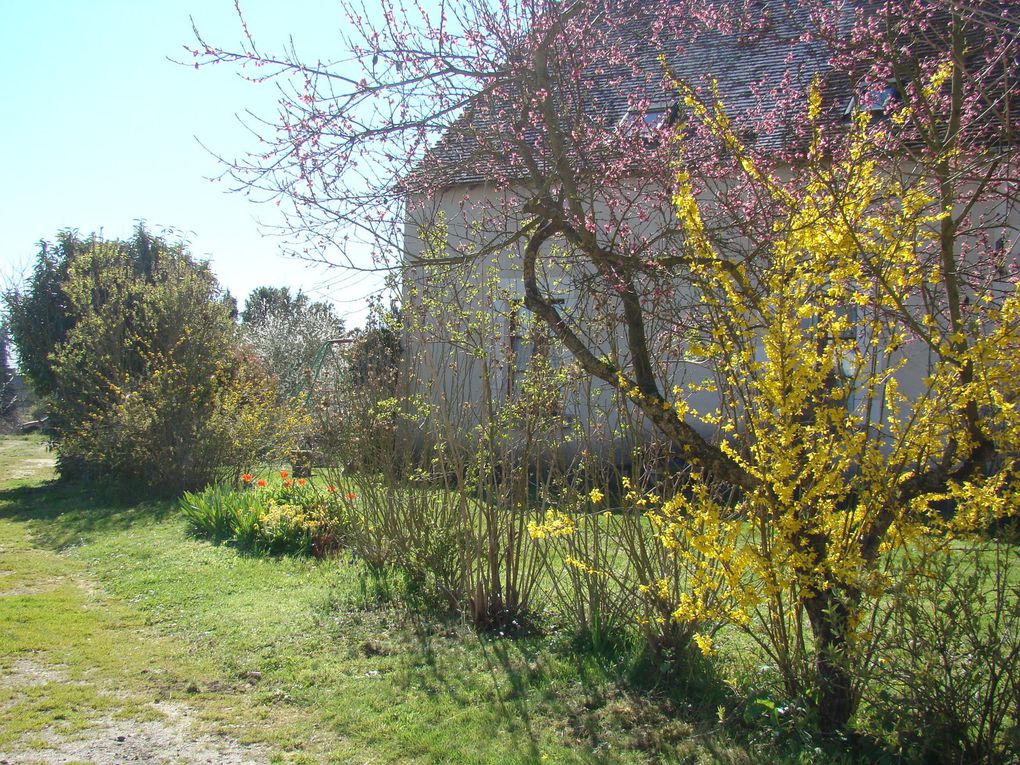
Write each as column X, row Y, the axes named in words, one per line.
column 607, row 707
column 511, row 674
column 603, row 703
column 63, row 514
column 520, row 663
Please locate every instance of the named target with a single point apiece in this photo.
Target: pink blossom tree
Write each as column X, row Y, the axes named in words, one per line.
column 617, row 134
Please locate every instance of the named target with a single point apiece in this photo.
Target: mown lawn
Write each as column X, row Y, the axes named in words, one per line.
column 312, row 659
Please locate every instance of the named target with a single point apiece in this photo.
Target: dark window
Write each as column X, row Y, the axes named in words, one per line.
column 648, row 122
column 875, row 100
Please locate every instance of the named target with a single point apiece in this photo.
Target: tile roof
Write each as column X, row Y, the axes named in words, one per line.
column 742, row 66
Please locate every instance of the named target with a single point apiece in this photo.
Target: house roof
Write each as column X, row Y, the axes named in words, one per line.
column 746, row 67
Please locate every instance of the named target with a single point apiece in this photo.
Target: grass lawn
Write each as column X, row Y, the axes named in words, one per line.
column 112, row 613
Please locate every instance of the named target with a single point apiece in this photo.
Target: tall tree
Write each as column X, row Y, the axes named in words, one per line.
column 7, row 395
column 40, row 314
column 266, row 302
column 645, row 163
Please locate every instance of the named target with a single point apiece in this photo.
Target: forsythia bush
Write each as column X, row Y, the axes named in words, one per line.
column 142, row 373
column 845, row 466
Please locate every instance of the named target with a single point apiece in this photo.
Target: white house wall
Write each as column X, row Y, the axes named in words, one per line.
column 457, row 365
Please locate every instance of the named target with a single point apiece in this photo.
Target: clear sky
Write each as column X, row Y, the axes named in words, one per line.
column 99, row 130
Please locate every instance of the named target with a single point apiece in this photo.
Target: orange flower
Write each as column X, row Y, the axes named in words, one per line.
column 331, row 489
column 286, row 484
column 261, row 483
column 284, row 474
column 300, row 481
column 246, row 477
column 351, row 496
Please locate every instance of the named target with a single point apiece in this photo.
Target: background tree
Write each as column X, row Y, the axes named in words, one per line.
column 8, row 396
column 266, row 302
column 40, row 315
column 287, row 331
column 376, row 349
column 356, row 382
column 633, row 171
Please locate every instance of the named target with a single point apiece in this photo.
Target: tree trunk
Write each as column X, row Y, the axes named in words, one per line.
column 834, row 698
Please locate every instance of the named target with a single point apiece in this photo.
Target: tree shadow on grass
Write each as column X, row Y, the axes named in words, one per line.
column 62, row 514
column 615, row 701
column 531, row 682
column 611, row 714
column 519, row 664
column 612, row 703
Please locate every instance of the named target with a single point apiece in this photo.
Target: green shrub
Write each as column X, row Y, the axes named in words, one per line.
column 450, row 509
column 140, row 365
column 949, row 686
column 216, row 511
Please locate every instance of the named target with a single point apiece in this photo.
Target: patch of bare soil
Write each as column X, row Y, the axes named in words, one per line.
column 25, row 673
column 37, row 588
column 29, row 467
column 170, row 740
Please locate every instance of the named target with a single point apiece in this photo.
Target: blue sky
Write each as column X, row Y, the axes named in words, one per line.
column 100, row 130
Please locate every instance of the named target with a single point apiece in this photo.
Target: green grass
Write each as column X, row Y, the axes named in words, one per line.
column 107, row 605
column 70, row 652
column 122, row 601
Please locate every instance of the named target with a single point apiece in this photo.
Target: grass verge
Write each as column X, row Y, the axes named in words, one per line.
column 310, row 658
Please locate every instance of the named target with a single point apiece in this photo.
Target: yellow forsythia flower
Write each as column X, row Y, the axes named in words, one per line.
column 705, row 644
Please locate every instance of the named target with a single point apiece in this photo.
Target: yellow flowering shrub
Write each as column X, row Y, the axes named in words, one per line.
column 851, row 453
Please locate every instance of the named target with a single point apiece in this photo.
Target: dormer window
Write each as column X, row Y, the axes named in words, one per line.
column 875, row 100
column 647, row 122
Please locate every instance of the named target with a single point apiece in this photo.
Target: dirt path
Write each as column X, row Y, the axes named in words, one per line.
column 82, row 679
column 171, row 739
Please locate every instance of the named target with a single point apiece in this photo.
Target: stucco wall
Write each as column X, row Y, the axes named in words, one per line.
column 470, row 365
